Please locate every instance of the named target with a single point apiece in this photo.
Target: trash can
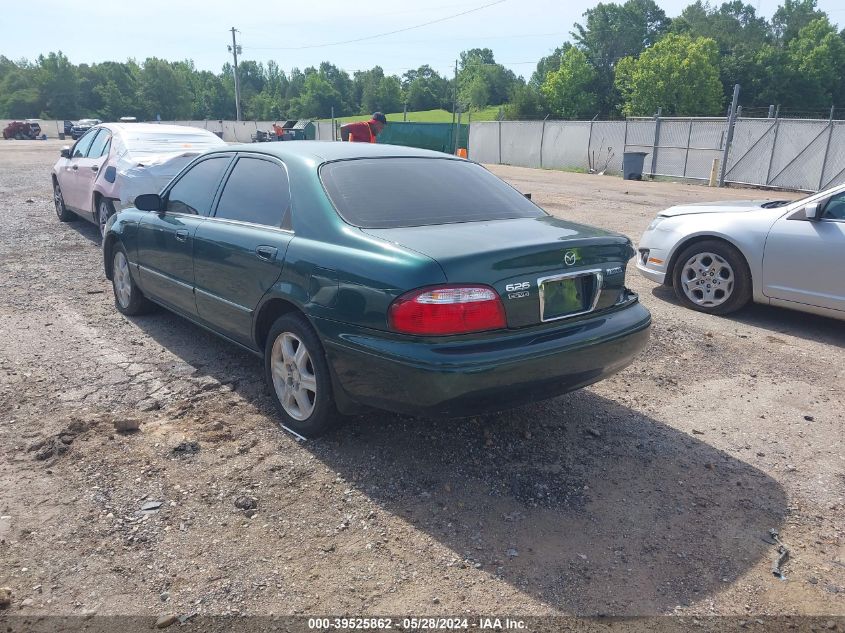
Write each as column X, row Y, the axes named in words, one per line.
column 303, row 130
column 632, row 165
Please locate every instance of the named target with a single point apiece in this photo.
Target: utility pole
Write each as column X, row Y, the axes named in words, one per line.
column 455, row 106
column 455, row 94
column 235, row 49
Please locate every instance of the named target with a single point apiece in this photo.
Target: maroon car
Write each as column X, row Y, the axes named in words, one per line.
column 29, row 129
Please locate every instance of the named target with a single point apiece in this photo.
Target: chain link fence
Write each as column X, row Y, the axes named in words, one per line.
column 777, row 152
column 801, row 154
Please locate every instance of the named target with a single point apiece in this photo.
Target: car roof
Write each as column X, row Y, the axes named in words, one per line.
column 155, row 128
column 325, row 151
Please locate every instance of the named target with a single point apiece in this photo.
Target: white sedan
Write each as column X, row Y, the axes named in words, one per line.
column 114, row 162
column 719, row 256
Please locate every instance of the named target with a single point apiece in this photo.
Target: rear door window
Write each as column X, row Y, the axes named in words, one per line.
column 80, row 150
column 257, row 191
column 195, row 190
column 99, row 144
column 397, row 192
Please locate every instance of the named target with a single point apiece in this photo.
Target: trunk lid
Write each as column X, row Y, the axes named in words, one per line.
column 517, row 257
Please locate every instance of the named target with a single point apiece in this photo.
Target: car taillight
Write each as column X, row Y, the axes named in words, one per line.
column 446, row 310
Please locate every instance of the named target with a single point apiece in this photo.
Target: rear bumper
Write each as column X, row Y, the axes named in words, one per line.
column 457, row 378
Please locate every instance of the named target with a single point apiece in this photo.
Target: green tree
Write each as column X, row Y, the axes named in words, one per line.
column 792, row 16
column 342, row 83
column 211, row 100
column 526, row 102
column 19, row 96
column 567, row 89
column 740, row 34
column 679, row 74
column 113, row 90
column 613, row 31
column 57, row 85
column 375, row 92
column 547, row 64
column 816, row 58
column 425, row 89
column 163, row 91
column 477, row 93
column 296, row 84
column 317, row 98
column 477, row 66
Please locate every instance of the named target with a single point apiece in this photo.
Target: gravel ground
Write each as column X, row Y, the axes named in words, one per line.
column 652, row 492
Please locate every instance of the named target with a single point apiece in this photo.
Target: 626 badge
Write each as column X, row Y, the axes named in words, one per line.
column 518, row 290
column 523, row 285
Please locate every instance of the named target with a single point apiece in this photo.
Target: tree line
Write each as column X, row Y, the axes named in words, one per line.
column 625, row 59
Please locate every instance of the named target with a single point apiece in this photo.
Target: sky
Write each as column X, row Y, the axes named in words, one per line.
column 518, row 31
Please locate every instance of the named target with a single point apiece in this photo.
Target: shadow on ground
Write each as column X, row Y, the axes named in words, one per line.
column 580, row 502
column 89, row 231
column 810, row 327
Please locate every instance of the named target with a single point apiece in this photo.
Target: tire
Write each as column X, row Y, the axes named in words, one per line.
column 62, row 212
column 104, row 210
column 713, row 277
column 307, row 411
column 128, row 298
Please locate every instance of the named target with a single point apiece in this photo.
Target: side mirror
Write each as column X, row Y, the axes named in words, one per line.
column 148, row 202
column 813, row 211
column 65, row 151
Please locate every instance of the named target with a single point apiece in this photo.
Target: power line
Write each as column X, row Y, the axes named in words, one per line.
column 372, row 37
column 467, row 38
column 274, row 33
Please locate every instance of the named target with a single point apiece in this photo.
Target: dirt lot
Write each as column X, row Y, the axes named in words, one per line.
column 652, row 492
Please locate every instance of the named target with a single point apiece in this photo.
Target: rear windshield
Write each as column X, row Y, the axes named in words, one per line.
column 140, row 143
column 375, row 193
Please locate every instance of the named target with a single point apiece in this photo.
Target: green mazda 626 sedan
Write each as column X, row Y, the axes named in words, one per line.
column 377, row 275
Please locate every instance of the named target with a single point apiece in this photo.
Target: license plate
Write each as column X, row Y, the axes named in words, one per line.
column 567, row 296
column 563, row 297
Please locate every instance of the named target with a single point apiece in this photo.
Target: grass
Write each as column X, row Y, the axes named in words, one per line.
column 490, row 113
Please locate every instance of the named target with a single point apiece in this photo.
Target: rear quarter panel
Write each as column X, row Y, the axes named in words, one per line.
column 353, row 280
column 122, row 229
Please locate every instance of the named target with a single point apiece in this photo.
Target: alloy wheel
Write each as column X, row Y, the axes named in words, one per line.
column 122, row 280
column 58, row 200
column 103, row 214
column 293, row 376
column 707, row 280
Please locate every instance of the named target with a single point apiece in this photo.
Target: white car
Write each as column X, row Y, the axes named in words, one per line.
column 719, row 256
column 114, row 162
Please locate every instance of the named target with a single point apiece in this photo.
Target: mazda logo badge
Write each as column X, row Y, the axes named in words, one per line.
column 570, row 258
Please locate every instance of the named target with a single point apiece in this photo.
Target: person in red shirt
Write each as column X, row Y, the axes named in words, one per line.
column 363, row 131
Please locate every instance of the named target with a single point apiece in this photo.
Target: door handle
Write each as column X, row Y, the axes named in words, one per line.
column 267, row 253
column 75, row 167
column 182, row 236
column 95, row 168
